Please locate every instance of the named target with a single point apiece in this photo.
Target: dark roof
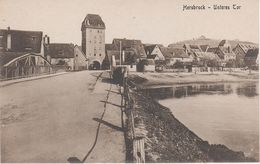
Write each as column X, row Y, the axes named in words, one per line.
column 6, row 57
column 22, row 41
column 246, row 47
column 169, row 52
column 204, row 47
column 60, row 50
column 151, row 56
column 149, row 49
column 252, row 53
column 212, row 49
column 116, row 53
column 223, row 42
column 93, row 21
column 130, row 45
column 109, row 47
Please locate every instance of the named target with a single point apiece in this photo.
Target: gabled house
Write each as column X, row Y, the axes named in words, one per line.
column 225, row 52
column 191, row 49
column 67, row 55
column 20, row 53
column 154, row 52
column 240, row 50
column 172, row 55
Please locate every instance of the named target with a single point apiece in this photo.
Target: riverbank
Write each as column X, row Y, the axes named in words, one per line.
column 168, row 139
column 150, row 79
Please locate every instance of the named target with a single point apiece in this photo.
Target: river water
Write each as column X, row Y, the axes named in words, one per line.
column 220, row 113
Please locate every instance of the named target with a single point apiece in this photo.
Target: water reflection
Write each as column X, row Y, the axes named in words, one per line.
column 248, row 90
column 221, row 113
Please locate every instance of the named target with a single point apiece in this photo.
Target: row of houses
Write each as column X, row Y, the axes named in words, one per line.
column 32, row 48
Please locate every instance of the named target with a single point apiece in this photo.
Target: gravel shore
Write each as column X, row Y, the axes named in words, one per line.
column 168, row 139
column 171, row 141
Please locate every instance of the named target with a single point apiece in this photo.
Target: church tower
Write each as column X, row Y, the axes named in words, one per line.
column 93, row 40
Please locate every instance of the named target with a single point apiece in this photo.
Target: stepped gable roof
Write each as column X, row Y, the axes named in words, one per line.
column 93, row 21
column 60, row 50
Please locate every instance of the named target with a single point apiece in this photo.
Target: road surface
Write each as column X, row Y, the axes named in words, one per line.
column 55, row 119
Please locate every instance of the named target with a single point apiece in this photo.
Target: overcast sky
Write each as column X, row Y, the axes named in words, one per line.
column 152, row 21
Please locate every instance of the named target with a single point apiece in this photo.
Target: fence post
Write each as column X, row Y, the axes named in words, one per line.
column 139, row 143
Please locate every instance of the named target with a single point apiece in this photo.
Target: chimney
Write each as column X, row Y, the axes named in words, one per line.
column 46, row 39
column 9, row 39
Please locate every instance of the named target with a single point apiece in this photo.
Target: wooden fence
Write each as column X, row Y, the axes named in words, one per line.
column 136, row 128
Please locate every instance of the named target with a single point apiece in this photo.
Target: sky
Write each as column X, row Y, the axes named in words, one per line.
column 152, row 21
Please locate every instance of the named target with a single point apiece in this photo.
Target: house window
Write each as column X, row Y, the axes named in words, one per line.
column 33, row 38
column 94, row 54
column 99, row 54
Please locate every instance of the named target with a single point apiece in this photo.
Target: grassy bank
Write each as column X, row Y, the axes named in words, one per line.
column 154, row 79
column 171, row 141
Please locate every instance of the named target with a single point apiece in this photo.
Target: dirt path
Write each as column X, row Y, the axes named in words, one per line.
column 56, row 120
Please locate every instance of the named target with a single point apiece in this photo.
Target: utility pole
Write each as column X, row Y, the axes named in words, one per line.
column 120, row 51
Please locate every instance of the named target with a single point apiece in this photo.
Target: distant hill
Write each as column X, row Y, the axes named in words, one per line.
column 202, row 40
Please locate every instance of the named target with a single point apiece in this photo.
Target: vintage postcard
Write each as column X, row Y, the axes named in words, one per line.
column 129, row 81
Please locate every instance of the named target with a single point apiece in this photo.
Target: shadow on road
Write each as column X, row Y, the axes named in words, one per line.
column 74, row 160
column 119, row 106
column 109, row 124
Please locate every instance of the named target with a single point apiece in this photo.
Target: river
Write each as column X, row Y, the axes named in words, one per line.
column 220, row 113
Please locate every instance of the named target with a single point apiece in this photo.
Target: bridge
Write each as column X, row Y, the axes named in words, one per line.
column 73, row 117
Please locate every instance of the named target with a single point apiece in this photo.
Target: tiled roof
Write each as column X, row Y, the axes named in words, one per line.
column 130, row 45
column 22, row 41
column 212, row 49
column 60, row 50
column 93, row 21
column 246, row 47
column 149, row 49
column 207, row 56
column 252, row 53
column 174, row 52
column 204, row 47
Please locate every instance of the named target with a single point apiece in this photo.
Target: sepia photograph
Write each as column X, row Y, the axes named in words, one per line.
column 129, row 81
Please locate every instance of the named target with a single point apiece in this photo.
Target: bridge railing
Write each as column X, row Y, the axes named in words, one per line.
column 17, row 72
